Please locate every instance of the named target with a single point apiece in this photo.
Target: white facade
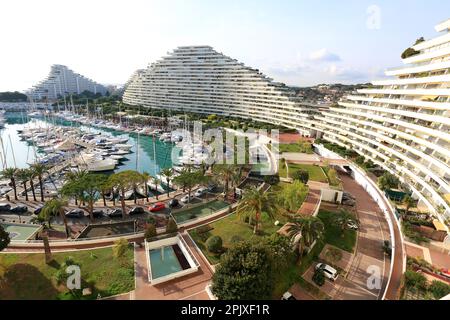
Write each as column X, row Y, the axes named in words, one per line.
column 201, row 80
column 403, row 124
column 62, row 81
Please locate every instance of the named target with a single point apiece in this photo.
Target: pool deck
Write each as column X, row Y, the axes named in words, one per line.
column 190, row 287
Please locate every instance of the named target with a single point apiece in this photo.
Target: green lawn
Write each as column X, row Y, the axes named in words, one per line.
column 315, row 172
column 333, row 234
column 295, row 148
column 28, row 277
column 232, row 227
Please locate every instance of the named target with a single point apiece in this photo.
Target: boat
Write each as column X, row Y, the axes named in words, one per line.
column 101, row 165
column 125, row 147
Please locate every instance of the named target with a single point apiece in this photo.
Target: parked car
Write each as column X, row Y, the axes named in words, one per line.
column 136, row 210
column 173, row 203
column 329, row 272
column 212, row 187
column 157, row 207
column 186, row 199
column 98, row 213
column 115, row 213
column 75, row 213
column 288, row 296
column 352, row 225
column 5, row 207
column 19, row 209
column 38, row 210
column 200, row 192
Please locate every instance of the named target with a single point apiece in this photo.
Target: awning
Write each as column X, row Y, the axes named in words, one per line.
column 439, row 225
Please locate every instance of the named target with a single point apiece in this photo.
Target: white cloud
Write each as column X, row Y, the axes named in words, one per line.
column 324, row 55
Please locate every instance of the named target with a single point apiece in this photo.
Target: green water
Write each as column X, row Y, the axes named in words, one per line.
column 164, row 262
column 199, row 211
column 20, row 232
column 20, row 153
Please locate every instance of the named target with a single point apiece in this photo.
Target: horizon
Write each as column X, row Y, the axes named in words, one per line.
column 296, row 49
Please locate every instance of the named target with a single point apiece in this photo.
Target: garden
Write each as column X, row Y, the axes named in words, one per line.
column 315, row 172
column 106, row 272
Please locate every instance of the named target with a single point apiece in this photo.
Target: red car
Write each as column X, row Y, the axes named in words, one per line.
column 157, row 207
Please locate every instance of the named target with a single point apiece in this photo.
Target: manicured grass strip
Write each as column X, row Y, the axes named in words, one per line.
column 333, row 234
column 232, row 228
column 28, row 277
column 315, row 172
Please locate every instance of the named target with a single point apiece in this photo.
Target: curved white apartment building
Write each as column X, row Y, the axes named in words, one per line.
column 62, row 81
column 403, row 124
column 201, row 80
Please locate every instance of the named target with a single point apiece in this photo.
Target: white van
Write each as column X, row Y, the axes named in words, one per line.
column 329, row 272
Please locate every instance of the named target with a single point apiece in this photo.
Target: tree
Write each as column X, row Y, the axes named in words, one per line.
column 10, row 173
column 388, row 181
column 214, row 244
column 146, row 177
column 23, row 175
column 171, row 226
column 245, row 272
column 124, row 181
column 168, row 173
column 39, row 170
column 4, row 238
column 155, row 180
column 90, row 187
column 32, row 176
column 189, row 180
column 150, row 232
column 343, row 220
column 253, row 204
column 224, row 172
column 301, row 175
column 291, row 196
column 305, row 230
column 408, row 201
column 72, row 177
column 55, row 207
column 120, row 248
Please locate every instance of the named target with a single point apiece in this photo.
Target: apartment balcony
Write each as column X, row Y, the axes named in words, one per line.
column 418, row 68
column 408, row 92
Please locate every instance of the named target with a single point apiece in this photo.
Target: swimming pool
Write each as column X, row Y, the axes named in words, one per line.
column 20, row 232
column 169, row 258
column 164, row 262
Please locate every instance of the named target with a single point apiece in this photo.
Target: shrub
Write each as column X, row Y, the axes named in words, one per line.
column 120, row 248
column 415, row 280
column 214, row 244
column 150, row 232
column 272, row 179
column 319, row 277
column 236, row 239
column 171, row 226
column 388, row 181
column 301, row 175
column 439, row 289
column 150, row 220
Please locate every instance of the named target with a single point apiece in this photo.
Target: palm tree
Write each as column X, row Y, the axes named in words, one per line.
column 10, row 173
column 146, row 177
column 291, row 197
column 343, row 220
column 56, row 207
column 124, row 181
column 253, row 204
column 225, row 172
column 73, row 176
column 32, row 176
column 39, row 170
column 168, row 173
column 155, row 180
column 308, row 229
column 23, row 175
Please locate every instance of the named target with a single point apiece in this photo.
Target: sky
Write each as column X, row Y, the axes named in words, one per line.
column 297, row 42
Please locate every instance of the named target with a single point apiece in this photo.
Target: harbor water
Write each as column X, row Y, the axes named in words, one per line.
column 18, row 153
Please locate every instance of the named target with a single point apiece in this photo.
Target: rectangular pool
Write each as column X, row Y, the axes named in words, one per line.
column 164, row 262
column 20, row 232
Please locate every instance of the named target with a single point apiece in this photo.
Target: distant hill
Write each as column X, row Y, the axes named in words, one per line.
column 12, row 97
